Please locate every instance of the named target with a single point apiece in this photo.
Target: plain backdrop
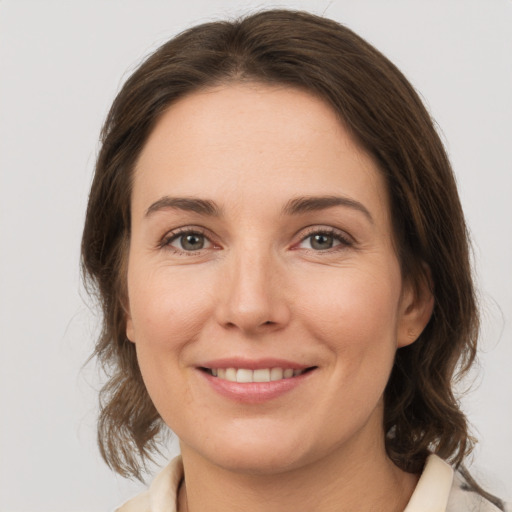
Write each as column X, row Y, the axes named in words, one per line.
column 61, row 63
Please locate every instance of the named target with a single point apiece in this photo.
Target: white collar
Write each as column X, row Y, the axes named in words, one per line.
column 431, row 493
column 433, row 488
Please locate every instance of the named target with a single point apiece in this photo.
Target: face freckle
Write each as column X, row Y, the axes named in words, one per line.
column 278, row 169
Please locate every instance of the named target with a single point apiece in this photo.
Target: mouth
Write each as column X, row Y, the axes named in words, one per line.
column 247, row 375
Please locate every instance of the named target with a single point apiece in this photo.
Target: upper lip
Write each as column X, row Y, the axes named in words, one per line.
column 253, row 364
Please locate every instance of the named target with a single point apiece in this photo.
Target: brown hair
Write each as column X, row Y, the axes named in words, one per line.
column 386, row 116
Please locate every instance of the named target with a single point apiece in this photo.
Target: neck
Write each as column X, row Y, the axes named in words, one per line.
column 343, row 481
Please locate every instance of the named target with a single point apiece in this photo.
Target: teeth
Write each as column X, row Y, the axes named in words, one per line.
column 244, row 375
column 276, row 374
column 260, row 375
column 231, row 374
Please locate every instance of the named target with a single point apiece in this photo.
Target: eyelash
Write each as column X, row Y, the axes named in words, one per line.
column 343, row 239
column 339, row 236
column 178, row 233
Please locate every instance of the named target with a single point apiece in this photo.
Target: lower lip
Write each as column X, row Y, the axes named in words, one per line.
column 255, row 392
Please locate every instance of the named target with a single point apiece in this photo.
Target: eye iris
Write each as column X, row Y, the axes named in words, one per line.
column 321, row 241
column 192, row 242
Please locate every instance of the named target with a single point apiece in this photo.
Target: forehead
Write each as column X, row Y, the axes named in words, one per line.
column 245, row 142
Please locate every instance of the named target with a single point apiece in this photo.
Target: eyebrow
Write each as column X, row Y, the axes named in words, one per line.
column 305, row 204
column 295, row 206
column 188, row 204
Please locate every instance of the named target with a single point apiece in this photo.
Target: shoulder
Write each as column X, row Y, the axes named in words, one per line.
column 440, row 488
column 161, row 495
column 464, row 497
column 139, row 503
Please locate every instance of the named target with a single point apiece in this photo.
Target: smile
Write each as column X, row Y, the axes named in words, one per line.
column 245, row 375
column 252, row 386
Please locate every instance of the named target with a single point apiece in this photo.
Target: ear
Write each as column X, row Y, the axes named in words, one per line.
column 130, row 329
column 416, row 306
column 124, row 297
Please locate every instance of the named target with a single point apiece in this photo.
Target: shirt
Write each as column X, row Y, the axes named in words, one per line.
column 439, row 489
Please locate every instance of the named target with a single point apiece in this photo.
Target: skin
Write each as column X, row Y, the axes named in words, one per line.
column 259, row 288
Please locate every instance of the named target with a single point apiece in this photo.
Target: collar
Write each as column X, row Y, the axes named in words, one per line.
column 431, row 493
column 433, row 487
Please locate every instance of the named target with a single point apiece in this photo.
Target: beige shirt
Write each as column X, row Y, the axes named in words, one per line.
column 438, row 490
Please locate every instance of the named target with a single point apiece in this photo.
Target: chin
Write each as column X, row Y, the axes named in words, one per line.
column 263, row 454
column 254, row 460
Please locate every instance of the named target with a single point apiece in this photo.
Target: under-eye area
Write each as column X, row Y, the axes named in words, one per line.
column 259, row 375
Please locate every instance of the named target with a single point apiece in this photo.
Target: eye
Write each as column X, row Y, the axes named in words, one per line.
column 324, row 240
column 187, row 241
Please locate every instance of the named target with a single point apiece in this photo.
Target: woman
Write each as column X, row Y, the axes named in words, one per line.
column 277, row 240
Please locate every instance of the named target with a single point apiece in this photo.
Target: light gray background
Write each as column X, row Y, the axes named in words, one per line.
column 61, row 63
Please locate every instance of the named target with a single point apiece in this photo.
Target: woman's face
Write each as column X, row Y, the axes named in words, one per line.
column 262, row 252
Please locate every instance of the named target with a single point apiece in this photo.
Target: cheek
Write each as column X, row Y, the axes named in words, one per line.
column 167, row 307
column 355, row 314
column 168, row 311
column 356, row 299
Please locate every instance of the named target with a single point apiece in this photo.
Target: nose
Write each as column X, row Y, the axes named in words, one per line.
column 253, row 295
